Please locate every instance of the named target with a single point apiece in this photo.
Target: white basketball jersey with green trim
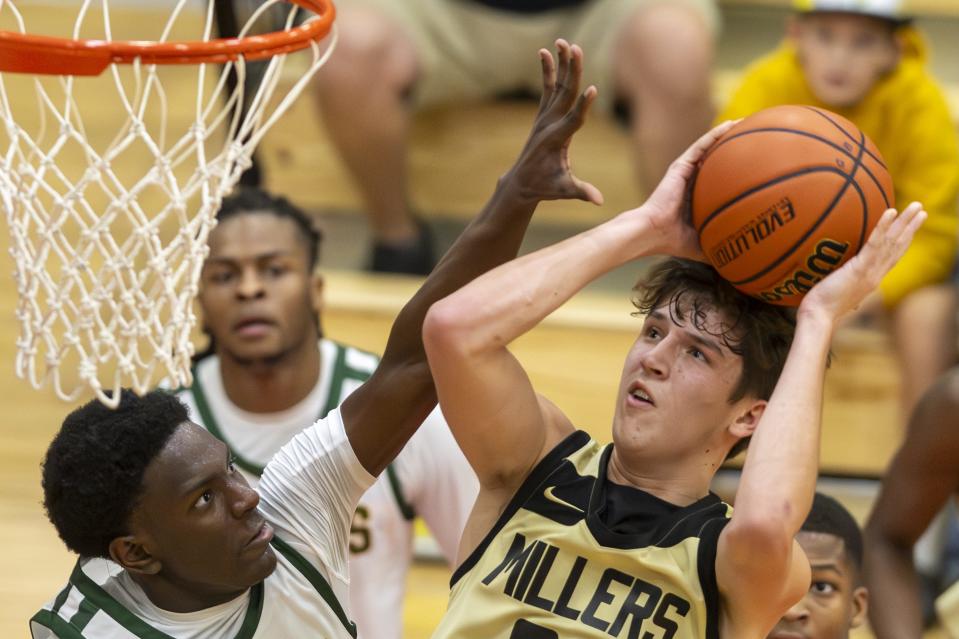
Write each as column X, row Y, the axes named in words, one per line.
column 308, row 494
column 430, row 478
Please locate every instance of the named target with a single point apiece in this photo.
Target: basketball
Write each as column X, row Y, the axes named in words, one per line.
column 785, row 197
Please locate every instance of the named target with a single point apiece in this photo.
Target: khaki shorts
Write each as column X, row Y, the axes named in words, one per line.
column 469, row 51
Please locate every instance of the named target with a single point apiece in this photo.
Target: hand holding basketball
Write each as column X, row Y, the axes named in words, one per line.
column 667, row 207
column 543, row 171
column 841, row 292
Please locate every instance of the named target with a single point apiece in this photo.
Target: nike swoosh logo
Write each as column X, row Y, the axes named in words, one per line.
column 548, row 493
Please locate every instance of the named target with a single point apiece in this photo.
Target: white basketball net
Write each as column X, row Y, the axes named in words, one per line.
column 108, row 238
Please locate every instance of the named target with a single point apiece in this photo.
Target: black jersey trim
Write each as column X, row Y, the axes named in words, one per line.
column 684, row 523
column 706, row 566
column 319, row 583
column 530, row 485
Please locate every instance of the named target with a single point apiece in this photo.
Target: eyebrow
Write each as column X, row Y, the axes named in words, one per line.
column 260, row 257
column 693, row 335
column 830, row 566
column 195, row 484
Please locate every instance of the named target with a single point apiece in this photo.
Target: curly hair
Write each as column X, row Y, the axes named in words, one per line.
column 93, row 470
column 759, row 332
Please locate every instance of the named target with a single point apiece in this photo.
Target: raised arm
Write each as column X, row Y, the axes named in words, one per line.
column 503, row 427
column 922, row 477
column 759, row 568
column 381, row 415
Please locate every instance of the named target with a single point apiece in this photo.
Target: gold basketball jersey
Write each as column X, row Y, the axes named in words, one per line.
column 551, row 568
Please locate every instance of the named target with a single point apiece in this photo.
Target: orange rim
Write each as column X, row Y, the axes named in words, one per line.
column 26, row 53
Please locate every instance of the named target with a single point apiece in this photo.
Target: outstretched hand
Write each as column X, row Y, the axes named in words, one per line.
column 843, row 290
column 542, row 171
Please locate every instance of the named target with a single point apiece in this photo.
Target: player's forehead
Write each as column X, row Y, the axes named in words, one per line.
column 189, row 453
column 696, row 313
column 255, row 233
column 824, row 549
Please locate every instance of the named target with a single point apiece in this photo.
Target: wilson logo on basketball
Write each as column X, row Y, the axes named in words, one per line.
column 829, row 254
column 765, row 224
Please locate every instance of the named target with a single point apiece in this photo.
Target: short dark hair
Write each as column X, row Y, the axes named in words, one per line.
column 830, row 517
column 93, row 470
column 759, row 332
column 249, row 199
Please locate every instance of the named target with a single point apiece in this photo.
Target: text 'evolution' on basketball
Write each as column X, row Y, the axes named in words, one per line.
column 765, row 224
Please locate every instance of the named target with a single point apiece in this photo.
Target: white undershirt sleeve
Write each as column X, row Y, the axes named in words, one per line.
column 310, row 489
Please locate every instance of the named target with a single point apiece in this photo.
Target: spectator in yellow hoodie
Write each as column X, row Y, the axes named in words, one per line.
column 865, row 60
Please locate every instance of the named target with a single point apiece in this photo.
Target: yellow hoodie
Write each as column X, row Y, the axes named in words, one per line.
column 906, row 115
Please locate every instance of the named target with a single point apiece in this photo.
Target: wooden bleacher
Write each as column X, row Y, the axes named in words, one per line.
column 575, row 356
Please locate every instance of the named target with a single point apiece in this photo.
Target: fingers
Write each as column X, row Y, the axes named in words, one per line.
column 588, row 192
column 549, row 77
column 892, row 236
column 564, row 88
column 698, row 149
column 576, row 116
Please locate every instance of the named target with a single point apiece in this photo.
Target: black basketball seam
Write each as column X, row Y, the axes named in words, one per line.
column 826, row 141
column 785, row 254
column 827, row 168
column 822, row 114
column 882, row 191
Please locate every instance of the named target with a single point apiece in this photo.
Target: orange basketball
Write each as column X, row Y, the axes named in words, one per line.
column 785, row 197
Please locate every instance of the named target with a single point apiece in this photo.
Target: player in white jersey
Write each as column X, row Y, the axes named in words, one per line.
column 260, row 243
column 430, row 478
column 201, row 554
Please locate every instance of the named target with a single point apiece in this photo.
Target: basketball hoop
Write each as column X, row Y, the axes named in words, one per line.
column 109, row 238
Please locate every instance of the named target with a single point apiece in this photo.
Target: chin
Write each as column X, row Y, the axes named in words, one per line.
column 255, row 353
column 835, row 100
column 261, row 568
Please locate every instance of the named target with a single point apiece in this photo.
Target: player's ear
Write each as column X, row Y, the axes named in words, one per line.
column 860, row 606
column 316, row 292
column 129, row 552
column 745, row 424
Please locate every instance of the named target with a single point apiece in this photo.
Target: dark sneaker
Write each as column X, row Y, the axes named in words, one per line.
column 413, row 258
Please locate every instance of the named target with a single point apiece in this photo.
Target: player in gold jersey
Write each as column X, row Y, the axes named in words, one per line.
column 569, row 538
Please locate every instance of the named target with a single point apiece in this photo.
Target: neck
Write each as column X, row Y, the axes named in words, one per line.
column 678, row 482
column 172, row 596
column 273, row 384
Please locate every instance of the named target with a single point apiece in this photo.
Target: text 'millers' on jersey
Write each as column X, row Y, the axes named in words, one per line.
column 551, row 567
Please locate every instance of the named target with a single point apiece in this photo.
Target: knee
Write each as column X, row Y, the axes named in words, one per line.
column 371, row 50
column 665, row 51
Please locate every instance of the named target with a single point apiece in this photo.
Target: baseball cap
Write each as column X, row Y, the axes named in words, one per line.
column 887, row 9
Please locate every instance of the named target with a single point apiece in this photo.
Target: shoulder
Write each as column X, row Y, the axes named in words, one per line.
column 350, row 357
column 911, row 87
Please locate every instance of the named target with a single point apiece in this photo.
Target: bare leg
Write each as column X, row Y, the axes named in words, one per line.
column 662, row 63
column 362, row 95
column 924, row 332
